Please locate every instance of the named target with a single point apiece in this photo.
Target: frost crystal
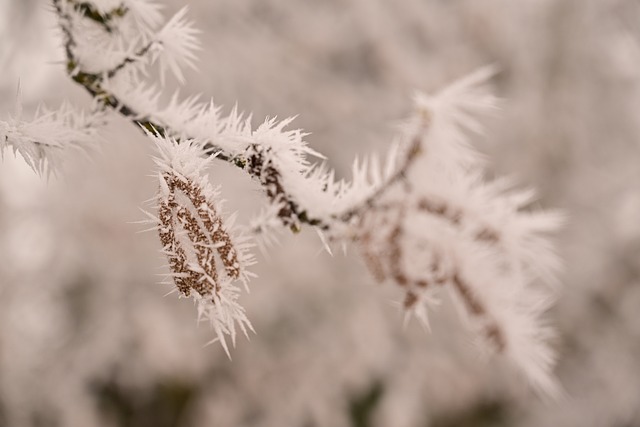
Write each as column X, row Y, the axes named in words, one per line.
column 177, row 43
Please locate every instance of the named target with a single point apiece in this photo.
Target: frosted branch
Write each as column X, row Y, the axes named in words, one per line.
column 425, row 220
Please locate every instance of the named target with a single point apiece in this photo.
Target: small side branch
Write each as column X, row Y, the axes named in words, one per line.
column 400, row 174
column 130, row 60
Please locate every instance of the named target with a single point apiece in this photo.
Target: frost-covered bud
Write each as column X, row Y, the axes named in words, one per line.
column 207, row 255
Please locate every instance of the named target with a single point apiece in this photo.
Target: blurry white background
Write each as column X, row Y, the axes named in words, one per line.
column 87, row 337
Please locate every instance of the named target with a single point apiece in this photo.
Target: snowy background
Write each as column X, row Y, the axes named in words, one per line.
column 87, row 337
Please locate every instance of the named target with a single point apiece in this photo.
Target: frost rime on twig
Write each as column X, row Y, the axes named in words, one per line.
column 44, row 140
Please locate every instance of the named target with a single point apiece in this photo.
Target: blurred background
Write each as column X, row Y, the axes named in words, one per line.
column 87, row 337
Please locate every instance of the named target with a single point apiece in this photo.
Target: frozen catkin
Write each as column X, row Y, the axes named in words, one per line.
column 207, row 256
column 426, row 219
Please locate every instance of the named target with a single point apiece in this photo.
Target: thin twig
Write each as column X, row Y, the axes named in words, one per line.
column 400, row 173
